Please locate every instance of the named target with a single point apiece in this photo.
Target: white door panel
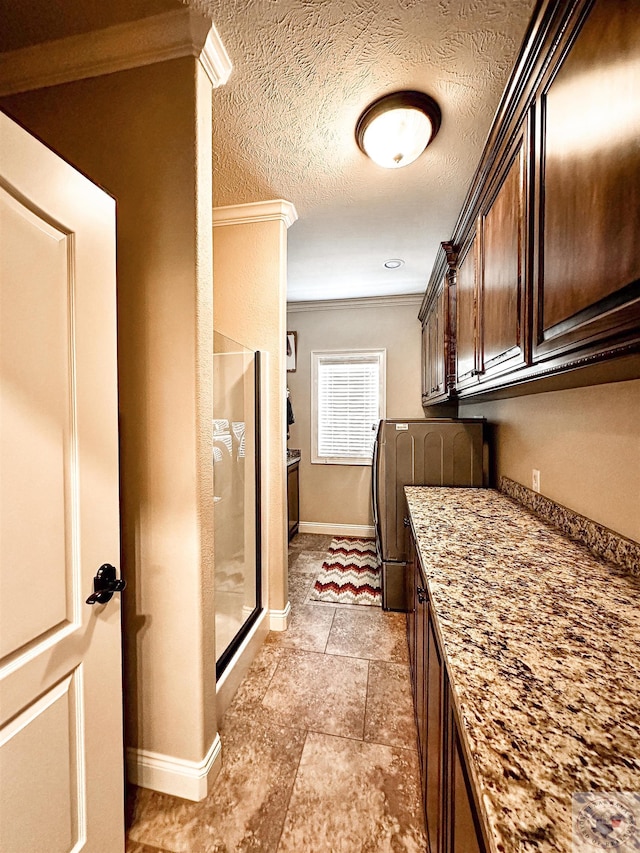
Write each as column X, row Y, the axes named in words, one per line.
column 60, row 670
column 36, row 442
column 44, row 796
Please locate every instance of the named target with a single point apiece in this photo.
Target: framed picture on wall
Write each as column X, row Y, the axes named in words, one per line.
column 292, row 351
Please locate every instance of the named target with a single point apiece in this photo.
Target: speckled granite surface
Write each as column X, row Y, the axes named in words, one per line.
column 293, row 456
column 602, row 541
column 542, row 646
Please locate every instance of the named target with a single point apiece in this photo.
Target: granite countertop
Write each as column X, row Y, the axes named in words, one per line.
column 293, row 456
column 542, row 645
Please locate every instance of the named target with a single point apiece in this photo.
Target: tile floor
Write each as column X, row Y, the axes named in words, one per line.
column 319, row 743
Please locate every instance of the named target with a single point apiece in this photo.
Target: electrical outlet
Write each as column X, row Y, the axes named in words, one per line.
column 535, row 480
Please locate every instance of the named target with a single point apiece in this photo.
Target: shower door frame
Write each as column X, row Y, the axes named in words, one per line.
column 227, row 656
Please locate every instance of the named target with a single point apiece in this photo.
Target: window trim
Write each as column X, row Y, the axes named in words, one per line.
column 316, row 356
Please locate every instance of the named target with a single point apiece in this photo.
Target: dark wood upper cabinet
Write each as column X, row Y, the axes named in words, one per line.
column 437, row 315
column 434, row 356
column 466, row 301
column 587, row 284
column 437, row 344
column 548, row 271
column 492, row 330
column 502, row 304
column 426, row 377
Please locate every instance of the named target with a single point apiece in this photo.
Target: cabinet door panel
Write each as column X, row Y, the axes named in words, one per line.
column 501, row 296
column 421, row 684
column 435, row 742
column 435, row 371
column 588, row 269
column 464, row 836
column 426, row 355
column 438, row 361
column 410, row 595
column 435, row 346
column 466, row 362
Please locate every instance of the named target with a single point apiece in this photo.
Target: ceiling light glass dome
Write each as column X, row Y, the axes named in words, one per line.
column 394, row 130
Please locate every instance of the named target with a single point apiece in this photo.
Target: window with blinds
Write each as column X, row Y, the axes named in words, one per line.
column 347, row 403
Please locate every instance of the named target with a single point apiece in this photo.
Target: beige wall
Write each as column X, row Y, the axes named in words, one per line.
column 584, row 441
column 145, row 136
column 249, row 272
column 341, row 494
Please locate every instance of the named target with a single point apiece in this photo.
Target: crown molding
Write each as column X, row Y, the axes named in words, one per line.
column 121, row 47
column 362, row 302
column 215, row 59
column 259, row 211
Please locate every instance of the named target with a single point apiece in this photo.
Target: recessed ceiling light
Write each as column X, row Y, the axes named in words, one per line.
column 394, row 263
column 394, row 130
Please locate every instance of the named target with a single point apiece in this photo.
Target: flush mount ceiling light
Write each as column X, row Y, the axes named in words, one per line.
column 394, row 263
column 394, row 130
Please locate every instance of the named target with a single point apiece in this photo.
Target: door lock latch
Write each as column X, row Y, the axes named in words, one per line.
column 105, row 584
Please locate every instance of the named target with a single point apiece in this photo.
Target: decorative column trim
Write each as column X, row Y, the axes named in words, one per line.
column 190, row 780
column 259, row 211
column 279, row 619
column 121, row 47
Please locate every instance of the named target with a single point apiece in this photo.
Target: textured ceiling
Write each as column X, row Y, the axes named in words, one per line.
column 284, row 125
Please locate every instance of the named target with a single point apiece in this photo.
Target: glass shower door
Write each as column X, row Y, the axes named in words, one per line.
column 236, row 471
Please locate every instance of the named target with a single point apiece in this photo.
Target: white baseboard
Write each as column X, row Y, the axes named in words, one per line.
column 366, row 530
column 191, row 780
column 238, row 666
column 279, row 619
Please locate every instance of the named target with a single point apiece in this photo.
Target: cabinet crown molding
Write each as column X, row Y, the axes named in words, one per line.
column 451, row 253
column 355, row 302
column 121, row 47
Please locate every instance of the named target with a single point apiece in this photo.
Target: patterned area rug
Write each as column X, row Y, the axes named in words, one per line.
column 350, row 574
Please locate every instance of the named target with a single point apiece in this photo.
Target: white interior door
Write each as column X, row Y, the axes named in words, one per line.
column 61, row 765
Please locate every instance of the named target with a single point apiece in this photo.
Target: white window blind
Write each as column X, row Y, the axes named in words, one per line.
column 349, row 402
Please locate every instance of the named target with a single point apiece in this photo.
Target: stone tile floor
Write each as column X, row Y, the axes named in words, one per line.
column 318, row 746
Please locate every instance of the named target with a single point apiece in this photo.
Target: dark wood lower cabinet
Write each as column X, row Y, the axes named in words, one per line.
column 464, row 834
column 417, row 636
column 410, row 596
column 435, row 733
column 453, row 824
column 293, row 497
column 421, row 685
